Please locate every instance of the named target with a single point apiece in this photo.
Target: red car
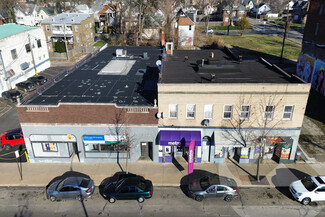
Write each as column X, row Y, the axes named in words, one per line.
column 11, row 138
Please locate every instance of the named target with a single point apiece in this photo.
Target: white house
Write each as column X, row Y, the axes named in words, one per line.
column 186, row 28
column 26, row 14
column 289, row 5
column 18, row 45
column 261, row 9
column 45, row 12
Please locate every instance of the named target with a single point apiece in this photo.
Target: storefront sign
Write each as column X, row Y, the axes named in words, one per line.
column 53, row 138
column 93, row 137
column 104, row 139
column 191, row 157
column 244, row 153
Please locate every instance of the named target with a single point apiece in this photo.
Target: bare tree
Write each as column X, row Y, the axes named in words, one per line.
column 252, row 123
column 8, row 6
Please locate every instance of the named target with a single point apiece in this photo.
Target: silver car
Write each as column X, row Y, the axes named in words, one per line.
column 70, row 188
column 213, row 186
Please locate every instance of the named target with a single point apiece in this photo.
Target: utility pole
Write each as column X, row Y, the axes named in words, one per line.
column 284, row 38
column 65, row 41
column 4, row 71
column 31, row 50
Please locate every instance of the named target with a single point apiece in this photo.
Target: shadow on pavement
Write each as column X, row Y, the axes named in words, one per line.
column 284, row 177
column 197, row 174
column 67, row 174
column 178, row 165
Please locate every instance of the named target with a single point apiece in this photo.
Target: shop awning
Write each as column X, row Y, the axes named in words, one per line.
column 177, row 137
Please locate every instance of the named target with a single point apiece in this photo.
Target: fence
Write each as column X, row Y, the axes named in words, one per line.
column 72, row 52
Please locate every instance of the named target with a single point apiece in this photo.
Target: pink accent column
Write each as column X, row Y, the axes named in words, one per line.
column 191, row 157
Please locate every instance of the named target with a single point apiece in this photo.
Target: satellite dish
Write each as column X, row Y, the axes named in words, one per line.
column 158, row 115
column 162, row 115
column 158, row 62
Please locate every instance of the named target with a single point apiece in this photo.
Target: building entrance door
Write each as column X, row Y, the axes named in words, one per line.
column 144, row 149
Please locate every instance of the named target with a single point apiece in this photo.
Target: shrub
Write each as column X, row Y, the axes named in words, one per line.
column 59, row 46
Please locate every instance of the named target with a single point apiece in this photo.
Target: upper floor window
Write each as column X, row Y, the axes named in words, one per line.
column 241, row 12
column 173, row 111
column 14, row 54
column 190, row 111
column 287, row 112
column 321, row 9
column 27, row 46
column 190, row 27
column 39, row 43
column 208, row 110
column 77, row 38
column 227, row 112
column 268, row 112
column 90, row 25
column 226, row 19
column 47, row 28
column 244, row 112
column 76, row 28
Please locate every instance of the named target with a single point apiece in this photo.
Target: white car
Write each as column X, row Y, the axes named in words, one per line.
column 311, row 188
column 210, row 31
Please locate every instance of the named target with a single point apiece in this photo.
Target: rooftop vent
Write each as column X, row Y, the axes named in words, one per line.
column 120, row 53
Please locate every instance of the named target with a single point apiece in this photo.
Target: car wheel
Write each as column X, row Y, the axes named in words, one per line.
column 306, row 201
column 199, row 198
column 7, row 147
column 228, row 198
column 112, row 200
column 141, row 199
column 52, row 198
column 79, row 197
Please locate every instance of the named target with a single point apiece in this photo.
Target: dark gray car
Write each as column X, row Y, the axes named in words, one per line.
column 213, row 186
column 70, row 188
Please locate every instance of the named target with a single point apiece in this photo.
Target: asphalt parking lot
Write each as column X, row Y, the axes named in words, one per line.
column 10, row 156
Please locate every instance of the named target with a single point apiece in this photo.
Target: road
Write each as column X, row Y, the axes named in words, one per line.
column 166, row 201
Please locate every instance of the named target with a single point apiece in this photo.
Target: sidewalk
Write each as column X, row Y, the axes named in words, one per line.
column 161, row 174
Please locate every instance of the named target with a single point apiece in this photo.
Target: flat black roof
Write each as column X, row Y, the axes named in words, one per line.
column 185, row 66
column 84, row 85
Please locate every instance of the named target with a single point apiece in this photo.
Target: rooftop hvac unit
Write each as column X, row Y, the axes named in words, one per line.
column 120, row 53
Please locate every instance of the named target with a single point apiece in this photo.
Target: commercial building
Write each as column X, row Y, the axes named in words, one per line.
column 22, row 50
column 101, row 111
column 230, row 108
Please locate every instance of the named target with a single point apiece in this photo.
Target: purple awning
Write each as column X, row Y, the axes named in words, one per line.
column 176, row 138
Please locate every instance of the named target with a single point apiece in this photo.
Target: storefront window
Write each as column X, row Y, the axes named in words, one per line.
column 50, row 147
column 91, row 147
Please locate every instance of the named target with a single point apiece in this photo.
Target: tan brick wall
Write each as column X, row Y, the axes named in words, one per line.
column 84, row 114
column 84, row 32
column 256, row 95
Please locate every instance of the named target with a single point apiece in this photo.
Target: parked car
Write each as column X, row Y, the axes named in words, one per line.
column 26, row 86
column 134, row 187
column 210, row 31
column 308, row 189
column 12, row 95
column 38, row 79
column 11, row 138
column 213, row 186
column 70, row 188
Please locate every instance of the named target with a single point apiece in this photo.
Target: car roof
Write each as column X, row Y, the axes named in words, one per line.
column 12, row 132
column 73, row 180
column 130, row 181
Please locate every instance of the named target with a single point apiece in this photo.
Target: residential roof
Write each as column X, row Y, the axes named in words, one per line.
column 26, row 8
column 48, row 10
column 97, row 81
column 106, row 7
column 67, row 18
column 235, row 6
column 10, row 29
column 184, row 21
column 220, row 69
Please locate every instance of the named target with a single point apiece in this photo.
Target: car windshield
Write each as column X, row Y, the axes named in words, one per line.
column 309, row 183
column 204, row 182
column 142, row 184
column 60, row 185
column 84, row 183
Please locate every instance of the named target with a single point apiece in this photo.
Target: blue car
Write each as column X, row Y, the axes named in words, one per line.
column 70, row 188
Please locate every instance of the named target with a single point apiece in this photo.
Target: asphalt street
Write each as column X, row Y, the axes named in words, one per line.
column 166, row 201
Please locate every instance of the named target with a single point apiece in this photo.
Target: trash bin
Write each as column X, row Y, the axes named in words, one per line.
column 298, row 155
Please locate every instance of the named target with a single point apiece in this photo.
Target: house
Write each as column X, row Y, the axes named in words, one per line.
column 77, row 28
column 248, row 4
column 186, row 28
column 107, row 16
column 311, row 62
column 299, row 11
column 96, row 109
column 45, row 12
column 289, row 6
column 23, row 49
column 26, row 14
column 226, row 108
column 3, row 17
column 233, row 13
column 262, row 8
column 82, row 8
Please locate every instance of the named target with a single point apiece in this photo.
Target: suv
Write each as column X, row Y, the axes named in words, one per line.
column 311, row 188
column 38, row 79
column 26, row 86
column 12, row 95
column 11, row 138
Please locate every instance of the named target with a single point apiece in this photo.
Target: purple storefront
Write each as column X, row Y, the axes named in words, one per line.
column 176, row 143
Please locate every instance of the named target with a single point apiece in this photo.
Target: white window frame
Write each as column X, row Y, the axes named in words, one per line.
column 206, row 111
column 77, row 38
column 188, row 111
column 242, row 112
column 170, row 111
column 224, row 112
column 76, row 28
column 47, row 28
column 267, row 112
column 226, row 19
column 287, row 112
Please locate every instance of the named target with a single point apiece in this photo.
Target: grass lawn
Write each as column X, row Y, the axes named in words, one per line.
column 262, row 45
column 99, row 43
column 202, row 28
